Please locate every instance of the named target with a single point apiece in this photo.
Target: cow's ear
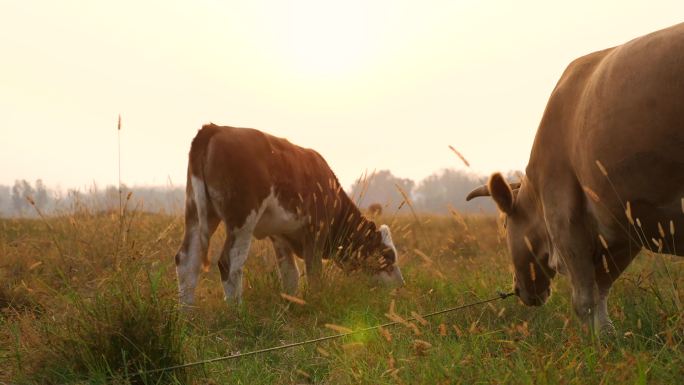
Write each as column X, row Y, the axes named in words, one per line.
column 501, row 192
column 386, row 235
column 390, row 252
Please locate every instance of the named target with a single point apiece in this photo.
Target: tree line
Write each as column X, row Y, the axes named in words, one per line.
column 437, row 193
column 26, row 199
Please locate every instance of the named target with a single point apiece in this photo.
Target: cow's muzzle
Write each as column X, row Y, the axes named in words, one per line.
column 390, row 277
column 533, row 299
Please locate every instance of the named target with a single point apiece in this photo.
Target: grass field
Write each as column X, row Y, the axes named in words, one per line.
column 89, row 297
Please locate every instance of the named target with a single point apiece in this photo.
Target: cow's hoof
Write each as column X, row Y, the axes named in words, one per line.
column 608, row 330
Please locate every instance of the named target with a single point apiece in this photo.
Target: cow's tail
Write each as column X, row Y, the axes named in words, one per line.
column 196, row 178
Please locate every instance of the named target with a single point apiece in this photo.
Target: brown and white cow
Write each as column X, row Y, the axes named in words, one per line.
column 264, row 186
column 605, row 176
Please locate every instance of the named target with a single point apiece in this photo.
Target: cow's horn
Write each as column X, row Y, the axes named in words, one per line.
column 481, row 191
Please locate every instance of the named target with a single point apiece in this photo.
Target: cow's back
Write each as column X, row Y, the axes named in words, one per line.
column 623, row 107
column 243, row 166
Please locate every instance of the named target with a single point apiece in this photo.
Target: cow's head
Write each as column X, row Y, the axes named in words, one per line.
column 526, row 236
column 389, row 273
column 377, row 254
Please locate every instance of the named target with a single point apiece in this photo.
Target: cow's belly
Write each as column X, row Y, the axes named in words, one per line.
column 275, row 220
column 662, row 223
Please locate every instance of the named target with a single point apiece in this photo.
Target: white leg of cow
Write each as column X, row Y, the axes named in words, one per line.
column 188, row 265
column 237, row 255
column 287, row 266
column 200, row 224
column 190, row 258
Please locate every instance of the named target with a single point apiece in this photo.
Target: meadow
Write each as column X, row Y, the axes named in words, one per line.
column 90, row 297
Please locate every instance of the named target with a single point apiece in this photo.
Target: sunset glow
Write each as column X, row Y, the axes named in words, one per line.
column 370, row 85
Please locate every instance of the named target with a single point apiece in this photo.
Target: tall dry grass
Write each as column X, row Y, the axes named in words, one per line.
column 86, row 299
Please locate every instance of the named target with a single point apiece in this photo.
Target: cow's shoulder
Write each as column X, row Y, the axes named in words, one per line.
column 580, row 71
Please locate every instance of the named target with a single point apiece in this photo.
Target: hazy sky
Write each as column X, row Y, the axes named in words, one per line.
column 369, row 84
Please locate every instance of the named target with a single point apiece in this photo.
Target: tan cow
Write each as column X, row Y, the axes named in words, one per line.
column 263, row 186
column 605, row 176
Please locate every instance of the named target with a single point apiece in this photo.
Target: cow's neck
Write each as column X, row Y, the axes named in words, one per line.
column 350, row 231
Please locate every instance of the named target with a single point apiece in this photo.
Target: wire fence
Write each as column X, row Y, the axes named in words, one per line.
column 500, row 296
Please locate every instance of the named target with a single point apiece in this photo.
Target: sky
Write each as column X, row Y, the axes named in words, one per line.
column 371, row 85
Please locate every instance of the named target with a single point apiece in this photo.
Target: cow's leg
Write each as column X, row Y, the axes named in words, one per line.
column 224, row 259
column 233, row 257
column 616, row 261
column 199, row 226
column 584, row 289
column 287, row 266
column 576, row 249
column 572, row 235
column 602, row 322
column 314, row 264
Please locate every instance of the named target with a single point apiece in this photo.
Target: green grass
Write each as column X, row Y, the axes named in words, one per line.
column 86, row 298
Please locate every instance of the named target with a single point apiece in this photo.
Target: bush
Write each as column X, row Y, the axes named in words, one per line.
column 132, row 324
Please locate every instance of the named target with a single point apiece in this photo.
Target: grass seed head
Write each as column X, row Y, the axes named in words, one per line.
column 592, row 194
column 600, row 166
column 293, row 299
column 460, row 156
column 421, row 347
column 323, row 352
column 419, row 318
column 533, row 272
column 385, row 334
column 528, row 244
column 628, row 212
column 338, row 328
column 423, row 256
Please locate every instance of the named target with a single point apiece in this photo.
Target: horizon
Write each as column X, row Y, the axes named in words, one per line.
column 379, row 86
column 172, row 185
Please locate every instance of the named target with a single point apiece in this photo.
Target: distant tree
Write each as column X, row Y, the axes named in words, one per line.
column 449, row 187
column 5, row 199
column 20, row 191
column 381, row 187
column 40, row 195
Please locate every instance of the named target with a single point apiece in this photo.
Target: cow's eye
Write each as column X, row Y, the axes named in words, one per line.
column 388, row 255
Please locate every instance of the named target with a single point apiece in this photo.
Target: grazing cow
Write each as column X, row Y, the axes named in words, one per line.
column 605, row 176
column 263, row 186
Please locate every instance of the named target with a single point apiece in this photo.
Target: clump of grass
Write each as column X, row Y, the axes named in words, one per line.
column 131, row 325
